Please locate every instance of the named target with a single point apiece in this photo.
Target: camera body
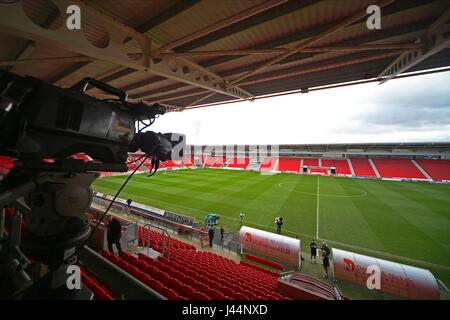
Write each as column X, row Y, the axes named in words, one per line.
column 39, row 120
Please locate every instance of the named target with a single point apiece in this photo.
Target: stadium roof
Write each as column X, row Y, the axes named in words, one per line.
column 397, row 148
column 186, row 53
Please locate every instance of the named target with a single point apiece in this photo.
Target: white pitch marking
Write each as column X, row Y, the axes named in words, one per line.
column 317, row 224
column 361, row 195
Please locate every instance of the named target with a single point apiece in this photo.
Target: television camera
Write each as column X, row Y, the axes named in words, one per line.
column 42, row 126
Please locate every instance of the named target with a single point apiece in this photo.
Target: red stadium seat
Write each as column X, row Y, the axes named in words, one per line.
column 200, row 296
column 203, row 279
column 201, row 287
column 216, row 295
column 190, row 281
column 227, row 291
column 250, row 295
column 170, row 294
column 88, row 282
column 239, row 296
column 178, row 275
column 187, row 291
column 215, row 285
column 156, row 285
column 174, row 284
column 99, row 293
column 163, row 277
column 106, row 254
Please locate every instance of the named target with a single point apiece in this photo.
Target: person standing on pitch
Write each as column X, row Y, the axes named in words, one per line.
column 222, row 230
column 242, row 217
column 211, row 236
column 326, row 264
column 129, row 201
column 279, row 223
column 114, row 234
column 313, row 246
column 325, row 249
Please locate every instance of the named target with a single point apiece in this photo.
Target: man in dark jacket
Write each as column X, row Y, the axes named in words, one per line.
column 325, row 249
column 313, row 246
column 326, row 265
column 279, row 223
column 114, row 234
column 211, row 236
column 222, row 231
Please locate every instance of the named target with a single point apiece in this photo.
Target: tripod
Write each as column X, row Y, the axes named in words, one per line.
column 47, row 222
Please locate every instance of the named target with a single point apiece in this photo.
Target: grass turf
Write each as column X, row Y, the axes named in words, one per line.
column 399, row 221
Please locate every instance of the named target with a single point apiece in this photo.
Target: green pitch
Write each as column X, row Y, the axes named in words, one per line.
column 399, row 221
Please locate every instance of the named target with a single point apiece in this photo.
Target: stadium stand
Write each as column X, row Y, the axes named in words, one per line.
column 362, row 167
column 289, row 165
column 264, row 261
column 209, row 162
column 187, row 161
column 397, row 168
column 438, row 169
column 219, row 162
column 99, row 289
column 268, row 164
column 133, row 161
column 340, row 165
column 254, row 165
column 251, row 265
column 241, row 163
column 311, row 162
column 319, row 171
column 309, row 288
column 227, row 273
column 198, row 275
column 170, row 164
column 198, row 160
column 156, row 240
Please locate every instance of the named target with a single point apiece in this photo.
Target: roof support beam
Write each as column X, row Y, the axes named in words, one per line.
column 308, row 42
column 358, row 41
column 178, row 69
column 219, row 25
column 299, row 47
column 261, row 18
column 353, row 83
column 200, row 100
column 282, row 75
column 338, row 63
column 391, row 46
column 162, row 17
column 395, row 8
column 186, row 95
column 435, row 40
column 46, row 60
column 29, row 47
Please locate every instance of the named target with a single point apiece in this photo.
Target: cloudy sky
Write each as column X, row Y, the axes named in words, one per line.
column 405, row 110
